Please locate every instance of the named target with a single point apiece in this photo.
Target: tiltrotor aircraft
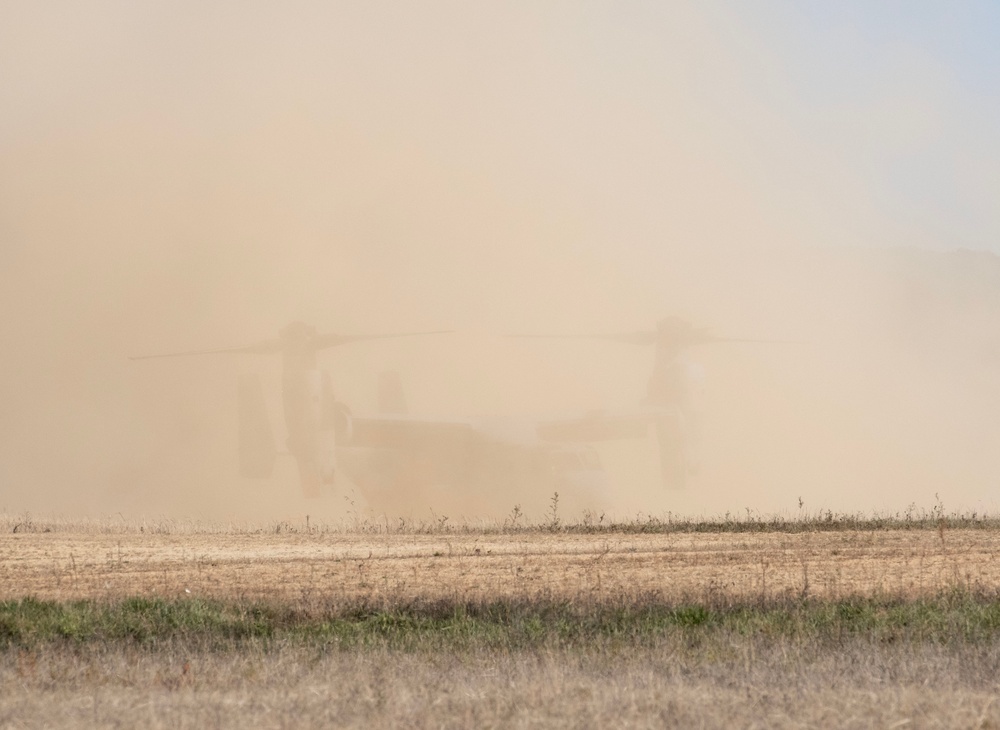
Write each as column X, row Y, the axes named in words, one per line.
column 397, row 458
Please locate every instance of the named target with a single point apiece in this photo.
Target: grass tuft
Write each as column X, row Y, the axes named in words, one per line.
column 587, row 523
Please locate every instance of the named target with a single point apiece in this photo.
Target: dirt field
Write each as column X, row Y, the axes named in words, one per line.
column 282, row 566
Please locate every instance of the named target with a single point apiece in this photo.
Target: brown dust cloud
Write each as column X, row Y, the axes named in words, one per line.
column 191, row 175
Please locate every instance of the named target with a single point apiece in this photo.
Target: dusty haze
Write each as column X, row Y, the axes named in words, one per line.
column 186, row 175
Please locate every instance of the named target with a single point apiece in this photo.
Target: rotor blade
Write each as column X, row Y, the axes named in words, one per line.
column 631, row 338
column 264, row 347
column 334, row 340
column 761, row 342
column 650, row 338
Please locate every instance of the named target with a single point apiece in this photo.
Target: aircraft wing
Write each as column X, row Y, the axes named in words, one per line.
column 391, row 431
column 603, row 425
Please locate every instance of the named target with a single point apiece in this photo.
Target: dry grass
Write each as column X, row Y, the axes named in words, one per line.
column 756, row 685
column 516, row 522
column 303, row 566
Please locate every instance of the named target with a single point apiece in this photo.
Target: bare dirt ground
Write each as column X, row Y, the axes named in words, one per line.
column 290, row 567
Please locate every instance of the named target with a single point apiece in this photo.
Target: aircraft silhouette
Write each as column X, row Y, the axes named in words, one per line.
column 397, row 457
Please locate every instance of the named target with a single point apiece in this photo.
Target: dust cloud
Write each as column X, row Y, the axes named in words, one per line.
column 178, row 176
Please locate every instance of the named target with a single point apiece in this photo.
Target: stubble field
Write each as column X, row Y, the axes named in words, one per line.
column 807, row 622
column 297, row 563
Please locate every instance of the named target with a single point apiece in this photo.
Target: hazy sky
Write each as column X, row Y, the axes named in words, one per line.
column 907, row 91
column 184, row 174
column 880, row 117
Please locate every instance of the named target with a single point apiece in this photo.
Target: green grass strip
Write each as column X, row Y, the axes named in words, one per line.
column 947, row 618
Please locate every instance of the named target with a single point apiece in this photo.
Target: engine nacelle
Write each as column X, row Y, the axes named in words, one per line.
column 341, row 421
column 256, row 439
column 311, row 416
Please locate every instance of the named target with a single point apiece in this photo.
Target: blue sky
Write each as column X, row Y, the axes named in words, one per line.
column 940, row 62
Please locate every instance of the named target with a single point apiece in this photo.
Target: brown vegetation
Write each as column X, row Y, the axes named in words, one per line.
column 779, row 684
column 303, row 563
